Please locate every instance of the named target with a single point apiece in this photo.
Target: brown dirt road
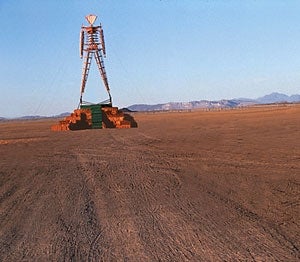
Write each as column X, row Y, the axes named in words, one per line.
column 193, row 186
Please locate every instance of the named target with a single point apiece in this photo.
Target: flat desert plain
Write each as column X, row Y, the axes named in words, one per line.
column 183, row 186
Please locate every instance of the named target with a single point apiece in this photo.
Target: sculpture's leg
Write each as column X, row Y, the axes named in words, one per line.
column 85, row 72
column 100, row 63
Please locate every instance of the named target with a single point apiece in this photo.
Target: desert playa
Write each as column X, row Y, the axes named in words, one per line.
column 183, row 186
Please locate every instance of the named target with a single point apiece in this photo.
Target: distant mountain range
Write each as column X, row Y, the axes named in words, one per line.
column 278, row 98
column 202, row 104
column 224, row 103
column 35, row 117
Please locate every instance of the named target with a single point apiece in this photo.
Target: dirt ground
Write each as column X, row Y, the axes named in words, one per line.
column 183, row 186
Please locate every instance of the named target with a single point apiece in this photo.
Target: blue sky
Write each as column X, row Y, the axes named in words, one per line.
column 157, row 51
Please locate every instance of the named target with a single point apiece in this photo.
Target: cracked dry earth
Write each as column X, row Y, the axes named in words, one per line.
column 192, row 186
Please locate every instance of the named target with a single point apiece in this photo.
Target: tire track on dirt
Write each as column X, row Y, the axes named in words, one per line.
column 268, row 234
column 146, row 181
column 161, row 175
column 179, row 244
column 155, row 182
column 112, row 207
column 267, row 227
column 251, row 219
